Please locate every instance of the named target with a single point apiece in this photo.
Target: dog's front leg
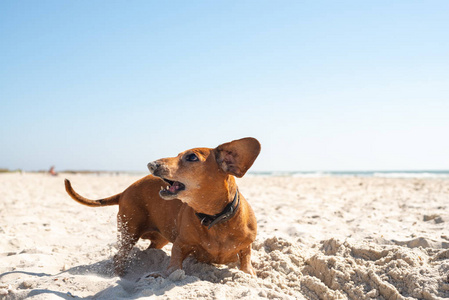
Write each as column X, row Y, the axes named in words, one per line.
column 245, row 261
column 178, row 253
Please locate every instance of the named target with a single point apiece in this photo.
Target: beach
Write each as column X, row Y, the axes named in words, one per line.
column 322, row 237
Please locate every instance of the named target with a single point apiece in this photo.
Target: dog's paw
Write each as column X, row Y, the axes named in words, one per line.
column 249, row 270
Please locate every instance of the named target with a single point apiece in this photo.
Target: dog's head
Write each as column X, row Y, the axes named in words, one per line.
column 201, row 171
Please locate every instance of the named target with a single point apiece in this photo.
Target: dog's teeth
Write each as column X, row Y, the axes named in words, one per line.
column 162, row 187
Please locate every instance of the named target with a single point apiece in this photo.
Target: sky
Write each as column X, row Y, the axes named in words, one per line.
column 323, row 85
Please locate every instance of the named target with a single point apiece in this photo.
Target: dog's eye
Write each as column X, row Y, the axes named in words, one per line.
column 191, row 157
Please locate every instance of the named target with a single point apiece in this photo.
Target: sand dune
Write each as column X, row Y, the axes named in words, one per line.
column 319, row 238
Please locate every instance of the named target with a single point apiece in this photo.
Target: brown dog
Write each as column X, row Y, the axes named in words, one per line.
column 192, row 201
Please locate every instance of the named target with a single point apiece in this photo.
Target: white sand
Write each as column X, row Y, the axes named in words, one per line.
column 319, row 238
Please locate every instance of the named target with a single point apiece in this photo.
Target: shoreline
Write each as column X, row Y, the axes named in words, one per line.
column 418, row 174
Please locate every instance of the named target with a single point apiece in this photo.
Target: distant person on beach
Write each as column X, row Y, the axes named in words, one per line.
column 52, row 171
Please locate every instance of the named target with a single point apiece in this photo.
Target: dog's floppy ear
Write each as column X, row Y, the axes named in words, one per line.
column 238, row 156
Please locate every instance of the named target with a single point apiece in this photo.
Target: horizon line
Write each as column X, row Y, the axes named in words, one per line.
column 6, row 170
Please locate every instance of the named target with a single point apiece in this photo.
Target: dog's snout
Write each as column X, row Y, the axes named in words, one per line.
column 153, row 166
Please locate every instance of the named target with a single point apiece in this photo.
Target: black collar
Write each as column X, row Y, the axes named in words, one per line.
column 227, row 213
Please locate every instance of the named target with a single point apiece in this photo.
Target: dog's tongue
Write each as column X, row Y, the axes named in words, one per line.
column 173, row 188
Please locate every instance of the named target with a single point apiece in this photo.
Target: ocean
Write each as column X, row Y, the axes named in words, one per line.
column 442, row 174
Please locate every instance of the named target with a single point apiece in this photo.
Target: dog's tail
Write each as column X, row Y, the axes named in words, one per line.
column 113, row 200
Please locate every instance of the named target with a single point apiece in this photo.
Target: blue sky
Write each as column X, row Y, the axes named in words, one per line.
column 323, row 85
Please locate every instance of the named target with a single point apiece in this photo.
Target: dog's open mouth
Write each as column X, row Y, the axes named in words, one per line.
column 172, row 189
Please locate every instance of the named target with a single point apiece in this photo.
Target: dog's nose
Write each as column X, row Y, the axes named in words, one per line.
column 153, row 166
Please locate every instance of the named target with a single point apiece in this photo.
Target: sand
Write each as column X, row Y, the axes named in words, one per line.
column 319, row 238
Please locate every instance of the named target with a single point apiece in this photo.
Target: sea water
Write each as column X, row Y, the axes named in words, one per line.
column 442, row 174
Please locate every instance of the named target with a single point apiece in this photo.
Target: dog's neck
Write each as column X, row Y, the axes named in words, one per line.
column 215, row 202
column 225, row 215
